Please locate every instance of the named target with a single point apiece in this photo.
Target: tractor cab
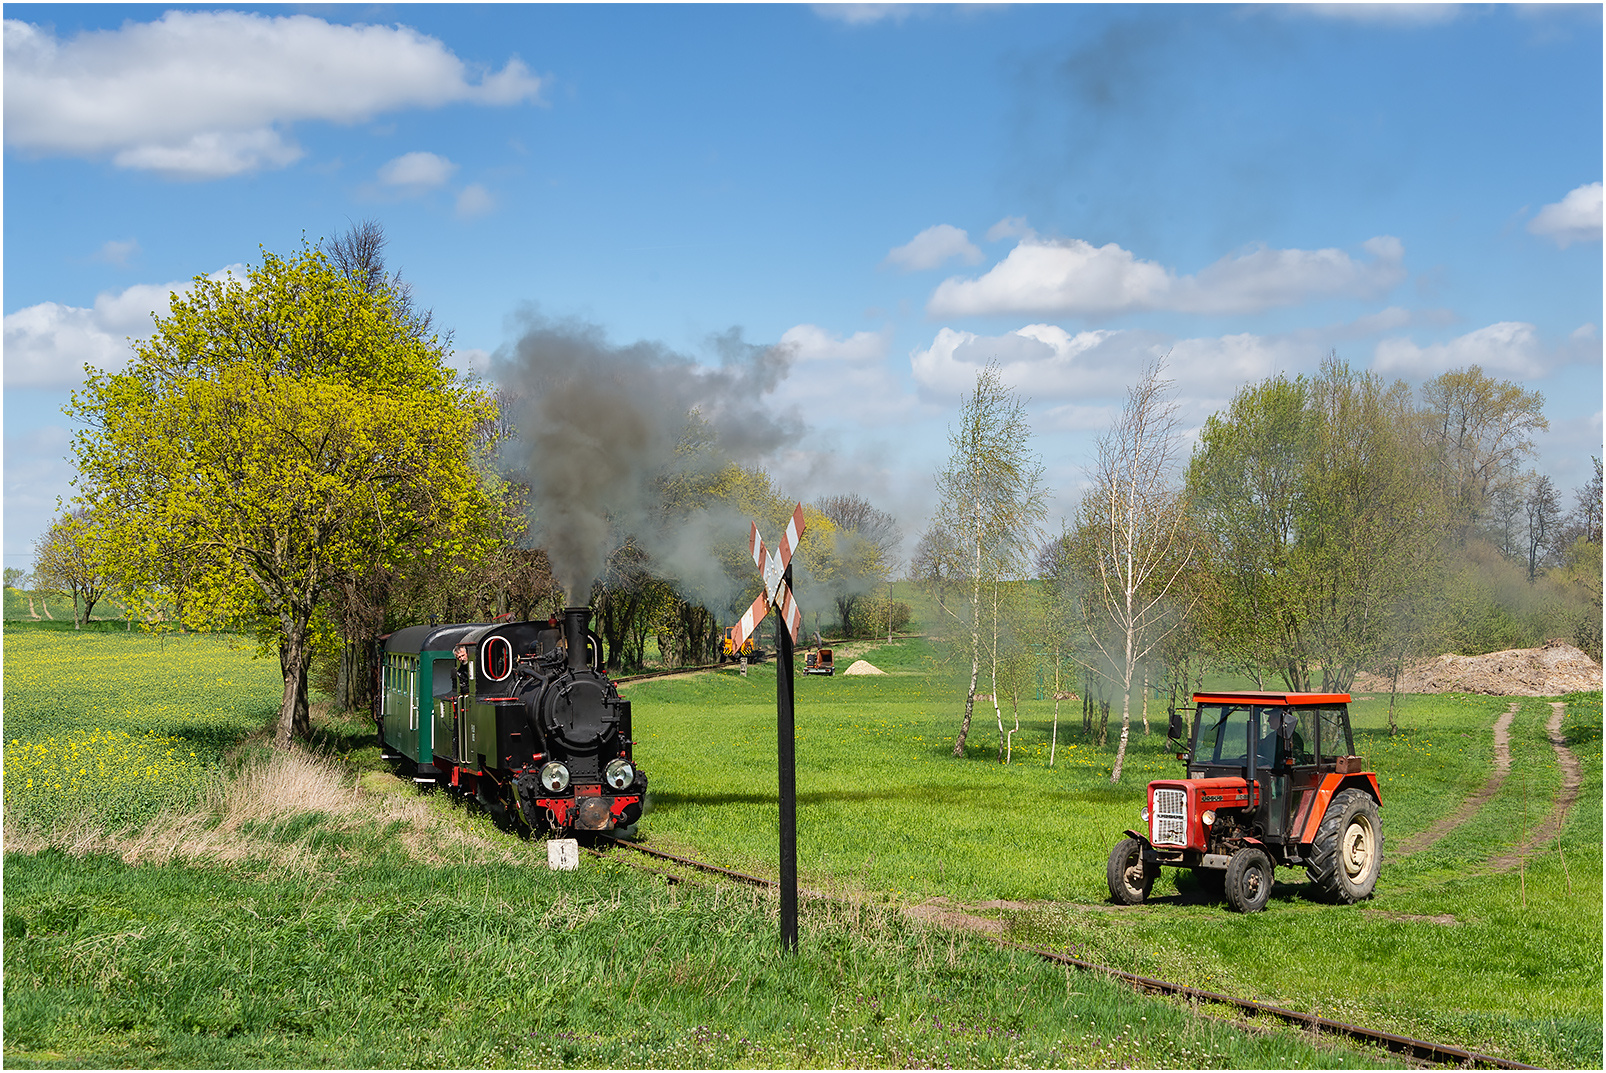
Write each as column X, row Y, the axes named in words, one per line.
column 1271, row 779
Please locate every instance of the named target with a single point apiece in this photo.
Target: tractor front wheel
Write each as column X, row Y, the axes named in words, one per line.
column 1249, row 879
column 1348, row 851
column 1130, row 878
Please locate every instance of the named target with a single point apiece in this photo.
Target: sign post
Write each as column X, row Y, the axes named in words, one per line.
column 786, row 761
column 777, row 570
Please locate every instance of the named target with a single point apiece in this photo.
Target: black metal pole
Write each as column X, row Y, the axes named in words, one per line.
column 787, row 761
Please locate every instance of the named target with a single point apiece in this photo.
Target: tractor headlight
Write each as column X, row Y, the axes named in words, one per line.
column 555, row 777
column 1208, row 817
column 619, row 773
column 1144, row 812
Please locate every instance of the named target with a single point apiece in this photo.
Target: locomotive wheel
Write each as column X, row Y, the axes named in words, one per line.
column 1130, row 878
column 1249, row 879
column 1348, row 852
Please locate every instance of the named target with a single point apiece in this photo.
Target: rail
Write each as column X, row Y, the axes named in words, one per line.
column 1419, row 1050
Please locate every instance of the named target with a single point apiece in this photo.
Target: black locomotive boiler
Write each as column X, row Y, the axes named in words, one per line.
column 518, row 716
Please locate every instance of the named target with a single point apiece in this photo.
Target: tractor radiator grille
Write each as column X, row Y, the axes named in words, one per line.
column 1170, row 824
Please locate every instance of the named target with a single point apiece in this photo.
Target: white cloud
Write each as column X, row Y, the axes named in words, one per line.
column 116, row 252
column 206, row 94
column 474, row 201
column 471, row 361
column 417, row 171
column 1575, row 218
column 932, row 247
column 1509, row 348
column 809, row 343
column 1045, row 362
column 1407, row 14
column 1009, row 227
column 1077, row 278
column 846, row 379
column 864, row 14
column 47, row 345
column 36, row 474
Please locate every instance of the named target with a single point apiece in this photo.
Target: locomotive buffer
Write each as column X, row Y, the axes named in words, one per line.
column 777, row 570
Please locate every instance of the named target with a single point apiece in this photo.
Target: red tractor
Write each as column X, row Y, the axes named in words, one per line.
column 1272, row 779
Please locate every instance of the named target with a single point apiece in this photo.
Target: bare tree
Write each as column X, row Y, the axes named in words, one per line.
column 1543, row 507
column 865, row 550
column 1134, row 517
column 991, row 506
column 1481, row 429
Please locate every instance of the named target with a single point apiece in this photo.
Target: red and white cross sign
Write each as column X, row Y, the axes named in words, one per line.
column 776, row 593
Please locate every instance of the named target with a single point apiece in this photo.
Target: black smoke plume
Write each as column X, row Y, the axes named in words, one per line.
column 597, row 428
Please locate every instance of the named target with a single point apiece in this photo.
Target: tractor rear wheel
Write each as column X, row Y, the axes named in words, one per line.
column 1130, row 878
column 1249, row 879
column 1348, row 851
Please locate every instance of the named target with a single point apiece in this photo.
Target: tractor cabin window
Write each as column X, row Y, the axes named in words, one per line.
column 1224, row 736
column 1335, row 734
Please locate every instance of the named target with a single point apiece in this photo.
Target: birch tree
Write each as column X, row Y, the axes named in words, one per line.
column 991, row 506
column 1133, row 515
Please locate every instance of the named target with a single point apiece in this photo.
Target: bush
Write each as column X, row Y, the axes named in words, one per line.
column 870, row 617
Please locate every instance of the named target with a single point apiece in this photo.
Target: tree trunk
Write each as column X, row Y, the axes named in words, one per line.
column 295, row 720
column 1145, row 700
column 1054, row 739
column 997, row 711
column 975, row 654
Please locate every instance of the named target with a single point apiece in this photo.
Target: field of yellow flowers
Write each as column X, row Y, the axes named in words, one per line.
column 118, row 725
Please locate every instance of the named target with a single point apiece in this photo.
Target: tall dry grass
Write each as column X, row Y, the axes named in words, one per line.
column 245, row 815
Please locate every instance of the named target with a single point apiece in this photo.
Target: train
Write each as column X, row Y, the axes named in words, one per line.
column 517, row 716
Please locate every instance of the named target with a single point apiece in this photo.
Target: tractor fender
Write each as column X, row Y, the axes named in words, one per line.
column 1141, row 838
column 1316, row 801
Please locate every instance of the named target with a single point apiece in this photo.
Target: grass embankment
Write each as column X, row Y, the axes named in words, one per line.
column 1507, row 963
column 319, row 925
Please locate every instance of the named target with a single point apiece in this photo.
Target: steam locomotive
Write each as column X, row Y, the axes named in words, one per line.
column 518, row 716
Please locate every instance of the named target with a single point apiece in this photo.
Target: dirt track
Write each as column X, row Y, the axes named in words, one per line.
column 1468, row 808
column 1572, row 778
column 1538, row 837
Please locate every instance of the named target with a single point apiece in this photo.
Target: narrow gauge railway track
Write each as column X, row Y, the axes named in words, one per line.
column 1420, row 1050
column 622, row 679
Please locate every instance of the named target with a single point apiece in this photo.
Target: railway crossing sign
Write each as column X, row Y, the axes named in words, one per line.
column 776, row 567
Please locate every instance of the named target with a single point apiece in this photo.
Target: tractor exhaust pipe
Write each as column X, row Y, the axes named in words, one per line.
column 575, row 621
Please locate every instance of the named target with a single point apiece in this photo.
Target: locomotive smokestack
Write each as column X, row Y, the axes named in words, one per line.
column 575, row 620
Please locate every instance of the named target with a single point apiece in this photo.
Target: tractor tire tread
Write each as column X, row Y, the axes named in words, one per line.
column 1325, row 869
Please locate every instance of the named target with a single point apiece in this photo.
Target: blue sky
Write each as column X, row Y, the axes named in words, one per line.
column 897, row 194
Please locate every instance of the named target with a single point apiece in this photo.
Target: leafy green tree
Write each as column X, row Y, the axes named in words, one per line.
column 274, row 437
column 1321, row 528
column 72, row 557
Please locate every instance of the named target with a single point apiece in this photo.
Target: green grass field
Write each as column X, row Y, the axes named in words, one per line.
column 323, row 934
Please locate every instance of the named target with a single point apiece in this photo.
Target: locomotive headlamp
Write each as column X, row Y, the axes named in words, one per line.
column 555, row 777
column 1208, row 817
column 619, row 773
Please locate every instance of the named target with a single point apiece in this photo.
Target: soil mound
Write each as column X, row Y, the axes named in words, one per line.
column 1550, row 671
column 862, row 667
